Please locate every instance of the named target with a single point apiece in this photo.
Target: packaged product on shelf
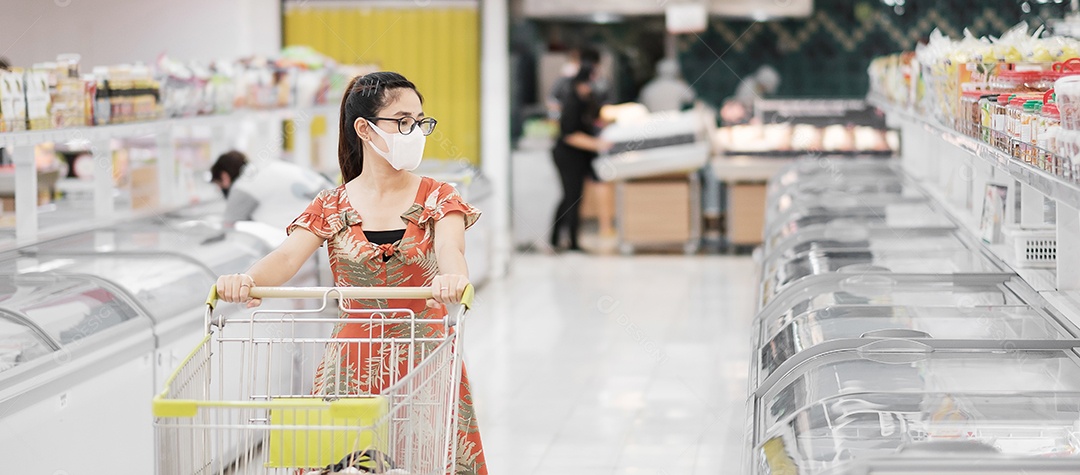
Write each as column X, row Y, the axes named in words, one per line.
column 36, row 84
column 1067, row 90
column 12, row 102
column 1047, row 139
column 102, row 104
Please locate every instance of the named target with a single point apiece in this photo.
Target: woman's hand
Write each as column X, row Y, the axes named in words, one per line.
column 447, row 288
column 235, row 288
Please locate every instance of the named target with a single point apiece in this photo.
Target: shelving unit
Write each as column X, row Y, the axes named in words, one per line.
column 219, row 130
column 955, row 169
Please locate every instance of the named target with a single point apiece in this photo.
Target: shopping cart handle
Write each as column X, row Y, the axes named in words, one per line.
column 358, row 293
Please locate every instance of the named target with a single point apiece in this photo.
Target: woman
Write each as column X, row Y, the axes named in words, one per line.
column 574, row 152
column 384, row 227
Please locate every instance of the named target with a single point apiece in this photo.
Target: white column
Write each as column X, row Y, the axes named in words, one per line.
column 166, row 168
column 104, row 203
column 1068, row 254
column 301, row 139
column 495, row 123
column 1031, row 207
column 26, row 194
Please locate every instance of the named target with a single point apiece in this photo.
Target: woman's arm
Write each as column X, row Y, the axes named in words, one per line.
column 453, row 275
column 587, row 142
column 275, row 269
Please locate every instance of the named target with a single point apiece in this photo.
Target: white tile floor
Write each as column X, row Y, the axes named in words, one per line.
column 584, row 365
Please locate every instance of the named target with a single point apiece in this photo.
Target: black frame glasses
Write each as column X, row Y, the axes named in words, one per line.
column 427, row 124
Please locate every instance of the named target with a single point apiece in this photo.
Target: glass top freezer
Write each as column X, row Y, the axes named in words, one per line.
column 874, row 192
column 221, row 251
column 785, row 273
column 165, row 285
column 832, row 291
column 1021, row 432
column 41, row 313
column 819, row 331
column 837, row 236
column 837, row 171
column 798, row 218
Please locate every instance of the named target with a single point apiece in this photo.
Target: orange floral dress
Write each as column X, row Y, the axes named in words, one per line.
column 367, row 368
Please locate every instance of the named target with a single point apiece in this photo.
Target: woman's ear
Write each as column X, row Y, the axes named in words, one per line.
column 361, row 127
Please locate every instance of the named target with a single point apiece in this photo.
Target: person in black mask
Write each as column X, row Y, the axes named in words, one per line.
column 574, row 152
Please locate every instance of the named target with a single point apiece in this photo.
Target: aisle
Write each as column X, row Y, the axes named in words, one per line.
column 587, row 365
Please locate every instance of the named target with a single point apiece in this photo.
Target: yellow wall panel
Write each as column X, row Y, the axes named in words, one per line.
column 436, row 48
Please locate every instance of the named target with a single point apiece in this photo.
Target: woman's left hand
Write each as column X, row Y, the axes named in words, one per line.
column 447, row 288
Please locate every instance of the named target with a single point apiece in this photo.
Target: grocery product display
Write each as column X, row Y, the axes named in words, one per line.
column 59, row 94
column 884, row 337
column 1016, row 93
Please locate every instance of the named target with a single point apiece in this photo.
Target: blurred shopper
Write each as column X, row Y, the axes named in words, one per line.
column 740, row 108
column 574, row 152
column 563, row 91
column 384, row 227
column 667, row 91
column 272, row 192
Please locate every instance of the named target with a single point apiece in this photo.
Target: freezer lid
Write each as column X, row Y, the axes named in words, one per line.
column 42, row 313
column 163, row 285
column 988, row 326
column 785, row 202
column 839, row 236
column 912, row 367
column 786, row 275
column 818, row 168
column 896, row 215
column 931, row 432
column 832, row 290
column 222, row 251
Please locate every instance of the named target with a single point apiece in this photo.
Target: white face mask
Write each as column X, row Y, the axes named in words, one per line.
column 405, row 151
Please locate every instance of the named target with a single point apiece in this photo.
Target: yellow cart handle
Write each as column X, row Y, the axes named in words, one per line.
column 355, row 293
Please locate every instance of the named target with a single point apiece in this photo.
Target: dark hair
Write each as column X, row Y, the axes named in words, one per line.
column 584, row 74
column 231, row 162
column 364, row 97
column 588, row 54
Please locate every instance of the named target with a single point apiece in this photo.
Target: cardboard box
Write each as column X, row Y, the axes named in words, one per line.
column 655, row 211
column 144, row 186
column 746, row 213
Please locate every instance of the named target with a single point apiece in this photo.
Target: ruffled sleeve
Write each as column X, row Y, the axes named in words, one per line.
column 324, row 217
column 444, row 200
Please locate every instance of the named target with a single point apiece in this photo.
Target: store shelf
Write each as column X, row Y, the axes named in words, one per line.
column 1053, row 187
column 33, row 137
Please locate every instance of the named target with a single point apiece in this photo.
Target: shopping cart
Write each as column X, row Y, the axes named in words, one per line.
column 246, row 400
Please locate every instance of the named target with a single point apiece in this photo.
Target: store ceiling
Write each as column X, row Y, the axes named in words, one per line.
column 607, row 11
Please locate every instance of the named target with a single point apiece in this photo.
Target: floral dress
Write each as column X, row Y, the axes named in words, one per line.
column 367, row 368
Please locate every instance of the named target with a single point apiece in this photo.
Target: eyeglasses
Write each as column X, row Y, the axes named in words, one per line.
column 405, row 125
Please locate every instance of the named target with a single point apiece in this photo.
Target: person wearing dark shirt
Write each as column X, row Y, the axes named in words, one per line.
column 574, row 152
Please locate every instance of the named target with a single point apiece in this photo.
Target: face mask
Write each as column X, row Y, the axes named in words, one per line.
column 405, row 151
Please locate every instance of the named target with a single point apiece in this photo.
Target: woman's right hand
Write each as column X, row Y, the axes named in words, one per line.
column 602, row 145
column 234, row 288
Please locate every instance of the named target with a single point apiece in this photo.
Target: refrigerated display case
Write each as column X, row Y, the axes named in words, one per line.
column 830, row 291
column 221, row 251
column 878, row 398
column 787, row 273
column 891, row 341
column 847, row 193
column 837, row 236
column 76, row 362
column 832, row 170
column 799, row 218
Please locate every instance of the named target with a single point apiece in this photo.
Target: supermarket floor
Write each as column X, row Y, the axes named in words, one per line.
column 590, row 365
